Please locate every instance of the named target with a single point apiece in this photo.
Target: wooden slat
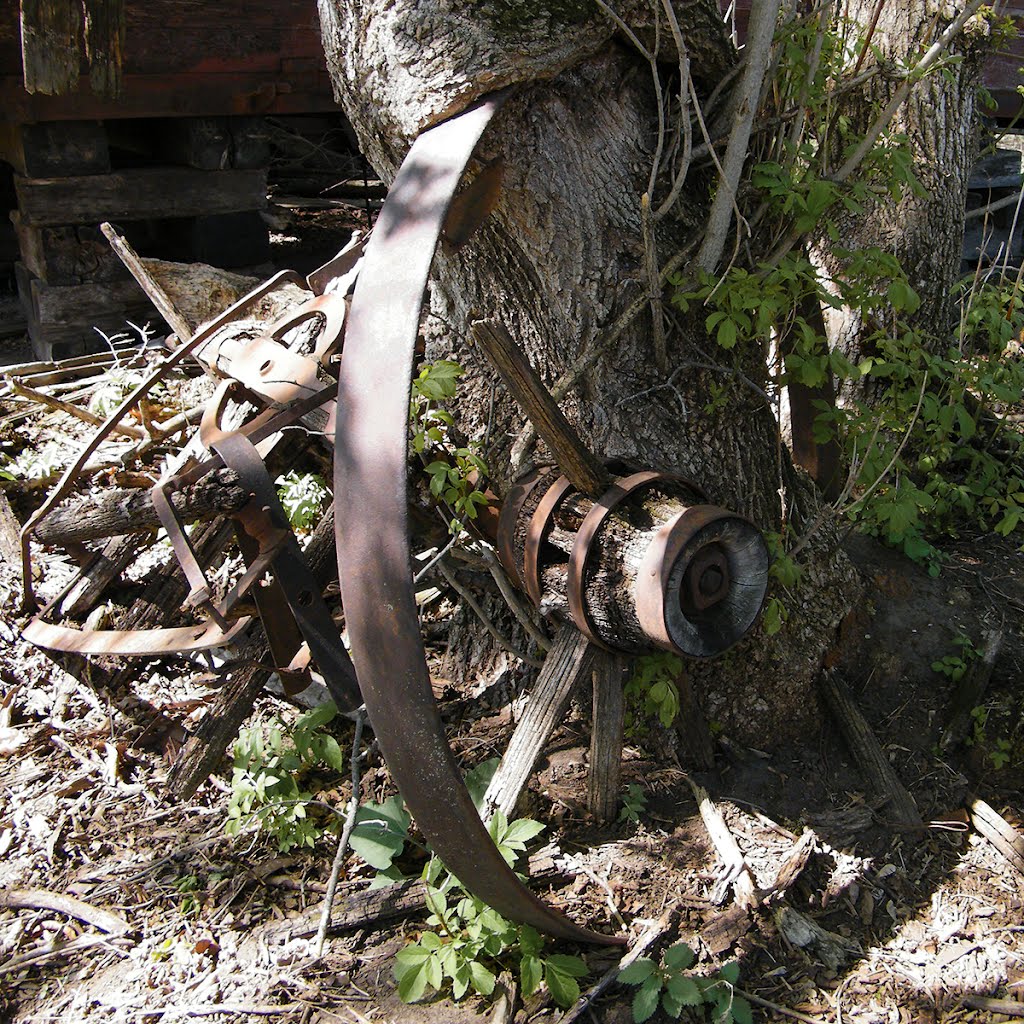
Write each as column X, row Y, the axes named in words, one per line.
column 241, row 92
column 51, row 34
column 138, row 194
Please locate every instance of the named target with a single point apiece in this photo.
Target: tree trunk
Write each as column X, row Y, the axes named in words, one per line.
column 562, row 257
column 923, row 230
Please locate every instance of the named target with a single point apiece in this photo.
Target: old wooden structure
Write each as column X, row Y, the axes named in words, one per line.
column 148, row 115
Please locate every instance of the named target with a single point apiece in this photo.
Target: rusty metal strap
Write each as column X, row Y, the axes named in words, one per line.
column 266, row 522
column 371, row 521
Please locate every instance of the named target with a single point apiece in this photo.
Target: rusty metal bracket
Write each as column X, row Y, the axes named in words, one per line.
column 371, row 518
column 514, row 501
column 540, row 522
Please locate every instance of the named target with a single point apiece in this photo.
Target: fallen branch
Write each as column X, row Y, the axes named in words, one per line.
column 999, row 832
column 1009, row 1007
column 44, row 899
column 145, row 280
column 735, row 869
column 59, row 405
column 969, row 692
column 115, row 512
column 867, row 751
column 346, row 835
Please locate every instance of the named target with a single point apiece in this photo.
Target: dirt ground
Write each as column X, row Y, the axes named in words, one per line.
column 175, row 919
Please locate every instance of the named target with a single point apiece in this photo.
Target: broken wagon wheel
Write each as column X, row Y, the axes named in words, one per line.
column 373, row 546
column 301, row 396
column 374, row 555
column 374, row 558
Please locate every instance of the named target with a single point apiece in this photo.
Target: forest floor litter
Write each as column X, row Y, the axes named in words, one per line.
column 118, row 905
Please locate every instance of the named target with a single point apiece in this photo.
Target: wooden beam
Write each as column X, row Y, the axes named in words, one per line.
column 568, row 661
column 139, row 193
column 574, row 459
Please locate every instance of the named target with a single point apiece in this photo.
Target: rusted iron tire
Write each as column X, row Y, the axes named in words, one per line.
column 373, row 543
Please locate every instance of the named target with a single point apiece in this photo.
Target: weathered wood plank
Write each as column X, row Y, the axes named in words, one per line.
column 139, row 193
column 51, row 44
column 606, row 736
column 574, row 459
column 55, row 148
column 568, row 661
column 243, row 91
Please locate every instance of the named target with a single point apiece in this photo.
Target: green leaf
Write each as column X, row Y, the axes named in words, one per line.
column 679, row 957
column 521, row 831
column 380, row 832
column 530, row 972
column 530, row 941
column 685, row 990
column 671, row 1005
column 726, row 338
column 730, row 972
column 573, row 966
column 741, row 1011
column 483, row 980
column 330, row 752
column 645, row 1002
column 563, row 987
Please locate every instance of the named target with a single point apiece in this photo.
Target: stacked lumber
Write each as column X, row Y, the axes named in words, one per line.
column 183, row 189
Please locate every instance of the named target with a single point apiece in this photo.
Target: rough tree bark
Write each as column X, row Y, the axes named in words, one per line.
column 939, row 119
column 562, row 258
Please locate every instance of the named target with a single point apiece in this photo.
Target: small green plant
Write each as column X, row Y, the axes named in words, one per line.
column 1002, row 754
column 674, row 986
column 457, row 471
column 303, row 496
column 652, row 690
column 191, row 902
column 955, row 665
column 634, row 803
column 470, row 942
column 33, row 464
column 271, row 774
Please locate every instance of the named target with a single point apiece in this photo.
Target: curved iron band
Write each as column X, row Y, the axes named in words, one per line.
column 264, row 519
column 579, row 557
column 199, row 585
column 509, row 517
column 132, row 643
column 210, row 429
column 374, row 562
column 656, row 567
column 535, row 534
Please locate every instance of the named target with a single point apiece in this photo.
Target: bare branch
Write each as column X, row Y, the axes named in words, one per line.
column 763, row 17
